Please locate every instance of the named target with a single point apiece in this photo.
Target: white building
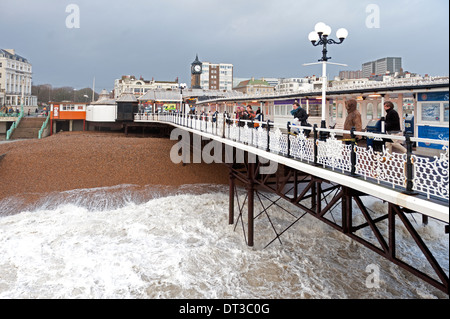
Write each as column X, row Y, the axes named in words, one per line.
column 102, row 110
column 348, row 83
column 129, row 83
column 291, row 85
column 216, row 76
column 15, row 79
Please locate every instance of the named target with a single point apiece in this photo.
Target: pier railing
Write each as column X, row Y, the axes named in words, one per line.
column 408, row 172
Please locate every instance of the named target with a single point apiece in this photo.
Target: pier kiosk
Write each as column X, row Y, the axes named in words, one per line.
column 432, row 117
column 67, row 116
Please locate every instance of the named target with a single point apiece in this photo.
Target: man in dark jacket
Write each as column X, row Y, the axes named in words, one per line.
column 392, row 118
column 299, row 113
column 392, row 126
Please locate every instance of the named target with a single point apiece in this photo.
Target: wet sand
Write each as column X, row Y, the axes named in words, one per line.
column 78, row 160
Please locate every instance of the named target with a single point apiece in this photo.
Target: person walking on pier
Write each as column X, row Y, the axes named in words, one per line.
column 250, row 113
column 300, row 114
column 240, row 115
column 353, row 119
column 392, row 126
column 258, row 117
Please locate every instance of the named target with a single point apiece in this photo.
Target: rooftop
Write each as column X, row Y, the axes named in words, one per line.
column 11, row 54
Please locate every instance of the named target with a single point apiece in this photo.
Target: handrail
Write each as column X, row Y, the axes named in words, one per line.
column 409, row 172
column 14, row 126
column 44, row 125
column 8, row 114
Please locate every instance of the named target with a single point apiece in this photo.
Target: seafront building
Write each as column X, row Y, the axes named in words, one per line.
column 291, row 85
column 253, row 86
column 388, row 65
column 129, row 83
column 15, row 81
column 347, row 75
column 211, row 76
column 216, row 76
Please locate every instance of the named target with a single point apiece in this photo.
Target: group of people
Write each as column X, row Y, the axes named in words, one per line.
column 353, row 119
column 392, row 124
column 247, row 113
column 10, row 110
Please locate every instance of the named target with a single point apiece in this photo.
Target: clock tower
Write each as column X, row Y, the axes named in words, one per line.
column 196, row 71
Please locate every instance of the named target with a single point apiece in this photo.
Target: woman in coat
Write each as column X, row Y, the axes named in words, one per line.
column 353, row 118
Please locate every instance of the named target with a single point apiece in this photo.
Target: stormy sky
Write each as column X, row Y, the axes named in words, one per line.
column 71, row 42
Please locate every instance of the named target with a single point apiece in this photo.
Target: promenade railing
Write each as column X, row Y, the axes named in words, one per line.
column 44, row 125
column 14, row 126
column 407, row 172
column 9, row 114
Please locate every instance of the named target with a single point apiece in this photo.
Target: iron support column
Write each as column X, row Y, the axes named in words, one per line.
column 391, row 227
column 231, row 199
column 347, row 212
column 250, row 202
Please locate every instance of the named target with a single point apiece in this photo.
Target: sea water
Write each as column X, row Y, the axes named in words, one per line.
column 161, row 242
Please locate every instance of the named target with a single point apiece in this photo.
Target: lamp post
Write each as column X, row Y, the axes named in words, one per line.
column 182, row 86
column 320, row 37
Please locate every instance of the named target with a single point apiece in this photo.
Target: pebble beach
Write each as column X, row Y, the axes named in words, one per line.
column 79, row 160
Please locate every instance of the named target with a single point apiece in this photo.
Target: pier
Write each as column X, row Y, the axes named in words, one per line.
column 316, row 176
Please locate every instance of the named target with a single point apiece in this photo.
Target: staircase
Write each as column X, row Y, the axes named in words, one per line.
column 28, row 128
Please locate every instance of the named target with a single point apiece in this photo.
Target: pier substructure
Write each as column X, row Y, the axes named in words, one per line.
column 338, row 206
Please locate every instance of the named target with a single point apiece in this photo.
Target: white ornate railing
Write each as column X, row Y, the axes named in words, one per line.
column 408, row 172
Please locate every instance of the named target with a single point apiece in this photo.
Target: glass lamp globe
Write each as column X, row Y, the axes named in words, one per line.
column 313, row 36
column 327, row 30
column 320, row 27
column 342, row 33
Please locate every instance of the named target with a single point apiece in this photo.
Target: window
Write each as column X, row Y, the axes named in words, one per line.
column 379, row 107
column 431, row 112
column 283, row 110
column 369, row 114
column 446, row 112
column 340, row 110
column 333, row 112
column 315, row 110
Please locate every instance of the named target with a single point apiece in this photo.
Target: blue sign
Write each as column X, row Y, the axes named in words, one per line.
column 432, row 132
column 433, row 96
